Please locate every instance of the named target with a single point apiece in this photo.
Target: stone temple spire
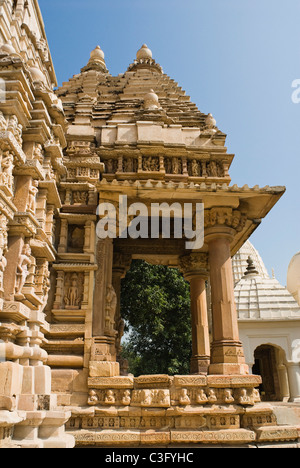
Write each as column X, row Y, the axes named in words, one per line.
column 96, row 61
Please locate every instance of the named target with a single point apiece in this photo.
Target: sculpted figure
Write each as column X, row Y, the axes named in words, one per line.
column 228, row 396
column 93, row 398
column 7, row 169
column 213, row 169
column 195, row 168
column 111, row 305
column 38, row 153
column 126, row 398
column 73, row 297
column 32, row 196
column 15, row 128
column 3, row 122
column 109, row 166
column 23, row 269
column 201, row 397
column 212, row 398
column 244, row 398
column 183, row 397
column 110, row 398
column 175, row 166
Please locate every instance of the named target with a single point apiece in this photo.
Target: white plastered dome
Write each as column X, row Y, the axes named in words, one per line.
column 293, row 277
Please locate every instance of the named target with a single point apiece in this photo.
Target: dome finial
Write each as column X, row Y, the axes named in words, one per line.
column 251, row 270
column 96, row 61
column 144, row 53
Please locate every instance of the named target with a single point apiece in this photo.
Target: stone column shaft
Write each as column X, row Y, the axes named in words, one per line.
column 227, row 352
column 200, row 331
column 194, row 268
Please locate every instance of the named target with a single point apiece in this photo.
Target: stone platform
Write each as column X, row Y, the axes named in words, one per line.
column 164, row 411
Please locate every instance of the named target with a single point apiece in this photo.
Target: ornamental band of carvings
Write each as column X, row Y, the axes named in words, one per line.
column 183, row 397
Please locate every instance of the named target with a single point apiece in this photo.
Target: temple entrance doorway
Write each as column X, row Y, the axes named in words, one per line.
column 155, row 306
column 269, row 364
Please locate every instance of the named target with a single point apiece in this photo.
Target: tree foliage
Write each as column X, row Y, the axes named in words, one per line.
column 155, row 303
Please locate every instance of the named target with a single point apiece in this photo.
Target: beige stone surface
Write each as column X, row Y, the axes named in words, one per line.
column 61, row 153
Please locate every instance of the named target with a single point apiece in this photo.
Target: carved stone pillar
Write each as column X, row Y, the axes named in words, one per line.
column 195, row 270
column 121, row 264
column 227, row 355
column 103, row 351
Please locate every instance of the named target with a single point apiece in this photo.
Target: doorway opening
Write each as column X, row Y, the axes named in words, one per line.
column 155, row 305
column 269, row 364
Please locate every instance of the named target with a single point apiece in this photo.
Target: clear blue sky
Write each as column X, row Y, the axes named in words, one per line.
column 236, row 59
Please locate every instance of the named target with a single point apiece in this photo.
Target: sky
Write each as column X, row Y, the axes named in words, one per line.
column 236, row 59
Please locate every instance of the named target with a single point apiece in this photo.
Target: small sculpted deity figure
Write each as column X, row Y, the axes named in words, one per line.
column 228, row 396
column 126, row 398
column 201, row 397
column 3, row 122
column 110, row 311
column 244, row 398
column 110, row 166
column 23, row 269
column 195, row 168
column 31, row 207
column 93, row 398
column 183, row 397
column 212, row 398
column 7, row 170
column 73, row 296
column 110, row 397
column 15, row 128
column 38, row 153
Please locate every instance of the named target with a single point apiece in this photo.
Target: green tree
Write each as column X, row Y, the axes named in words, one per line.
column 155, row 303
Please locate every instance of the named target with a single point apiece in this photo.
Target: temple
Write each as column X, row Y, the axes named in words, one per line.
column 95, row 139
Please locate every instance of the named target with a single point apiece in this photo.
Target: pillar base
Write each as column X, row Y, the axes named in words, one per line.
column 200, row 365
column 104, row 369
column 228, row 369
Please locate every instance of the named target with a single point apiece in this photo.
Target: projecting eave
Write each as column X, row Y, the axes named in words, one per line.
column 254, row 203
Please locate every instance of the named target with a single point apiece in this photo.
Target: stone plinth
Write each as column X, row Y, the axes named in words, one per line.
column 159, row 410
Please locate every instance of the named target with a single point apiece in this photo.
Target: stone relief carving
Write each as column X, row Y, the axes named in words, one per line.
column 150, row 164
column 110, row 310
column 16, row 128
column 22, row 272
column 7, row 165
column 74, row 291
column 33, row 190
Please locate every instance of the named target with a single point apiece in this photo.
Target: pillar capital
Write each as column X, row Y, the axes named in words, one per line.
column 223, row 222
column 194, row 265
column 121, row 264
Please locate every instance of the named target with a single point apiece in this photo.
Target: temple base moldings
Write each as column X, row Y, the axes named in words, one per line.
column 185, row 410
